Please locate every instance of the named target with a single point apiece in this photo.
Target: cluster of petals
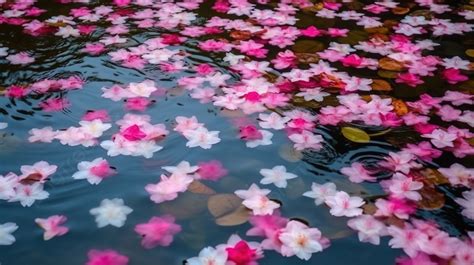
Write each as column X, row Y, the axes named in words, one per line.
column 339, row 202
column 136, row 137
column 256, row 199
column 195, row 132
column 27, row 187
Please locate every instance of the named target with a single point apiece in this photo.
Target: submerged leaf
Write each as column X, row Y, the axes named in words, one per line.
column 176, row 91
column 232, row 113
column 198, row 187
column 237, row 217
column 355, row 135
column 340, row 234
column 295, row 188
column 289, row 153
column 187, row 205
column 223, row 204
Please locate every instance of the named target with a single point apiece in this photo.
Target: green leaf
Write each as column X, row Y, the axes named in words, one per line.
column 355, row 135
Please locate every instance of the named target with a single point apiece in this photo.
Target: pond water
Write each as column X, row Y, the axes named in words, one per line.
column 370, row 78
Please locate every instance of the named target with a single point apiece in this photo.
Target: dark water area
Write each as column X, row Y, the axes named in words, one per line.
column 62, row 58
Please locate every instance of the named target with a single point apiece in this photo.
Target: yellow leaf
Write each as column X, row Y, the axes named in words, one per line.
column 470, row 52
column 355, row 135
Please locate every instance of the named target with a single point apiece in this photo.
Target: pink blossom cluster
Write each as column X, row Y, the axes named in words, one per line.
column 136, row 137
column 257, row 71
column 28, row 186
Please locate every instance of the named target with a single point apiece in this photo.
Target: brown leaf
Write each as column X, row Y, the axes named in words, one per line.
column 422, row 13
column 466, row 87
column 379, row 30
column 431, row 198
column 380, row 85
column 386, row 63
column 241, row 34
column 57, row 24
column 369, row 208
column 392, row 220
column 355, row 5
column 314, row 8
column 271, row 77
column 471, row 141
column 307, row 58
column 31, row 179
column 400, row 10
column 223, row 204
column 354, row 37
column 198, row 187
column 308, row 46
column 390, row 23
column 399, row 107
column 434, row 177
column 237, row 217
column 387, row 74
column 366, row 98
column 379, row 37
column 469, row 7
column 334, row 81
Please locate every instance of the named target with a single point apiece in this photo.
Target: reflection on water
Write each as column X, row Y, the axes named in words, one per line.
column 59, row 58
